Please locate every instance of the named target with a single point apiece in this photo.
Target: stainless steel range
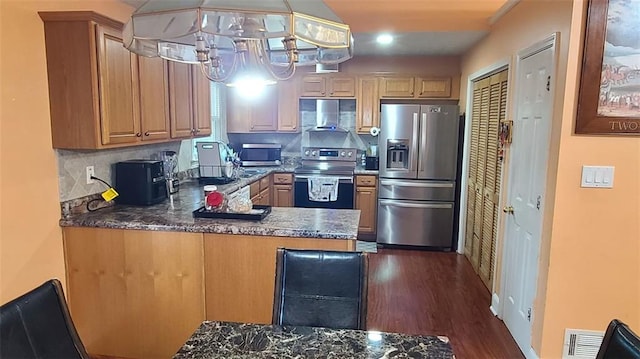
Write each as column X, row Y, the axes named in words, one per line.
column 325, row 178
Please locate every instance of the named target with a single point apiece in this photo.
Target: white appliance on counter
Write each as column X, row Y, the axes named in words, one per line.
column 418, row 167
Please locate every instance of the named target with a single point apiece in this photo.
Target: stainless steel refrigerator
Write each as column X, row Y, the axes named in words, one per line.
column 417, row 174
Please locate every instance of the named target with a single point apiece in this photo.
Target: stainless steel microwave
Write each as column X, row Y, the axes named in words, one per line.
column 260, row 154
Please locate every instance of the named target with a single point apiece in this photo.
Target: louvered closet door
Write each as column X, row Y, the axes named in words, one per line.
column 488, row 110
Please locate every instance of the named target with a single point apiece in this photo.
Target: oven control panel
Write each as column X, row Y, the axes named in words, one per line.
column 329, row 154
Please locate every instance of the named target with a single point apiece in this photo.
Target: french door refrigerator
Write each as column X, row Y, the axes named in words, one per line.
column 417, row 174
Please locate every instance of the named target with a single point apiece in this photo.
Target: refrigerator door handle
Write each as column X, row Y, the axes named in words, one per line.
column 423, row 143
column 416, row 184
column 393, row 203
column 413, row 161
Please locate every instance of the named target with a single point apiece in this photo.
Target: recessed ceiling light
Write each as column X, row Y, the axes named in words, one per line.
column 384, row 39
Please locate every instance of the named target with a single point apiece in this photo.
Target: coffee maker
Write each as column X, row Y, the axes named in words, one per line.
column 170, row 163
column 371, row 159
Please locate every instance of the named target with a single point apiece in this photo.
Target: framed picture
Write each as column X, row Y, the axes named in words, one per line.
column 609, row 94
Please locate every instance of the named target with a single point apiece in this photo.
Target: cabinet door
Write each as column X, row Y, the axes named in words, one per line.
column 283, row 195
column 391, row 87
column 368, row 105
column 126, row 286
column 288, row 106
column 201, row 102
column 264, row 111
column 366, row 202
column 117, row 69
column 313, row 86
column 342, row 86
column 238, row 113
column 433, row 87
column 180, row 95
column 154, row 98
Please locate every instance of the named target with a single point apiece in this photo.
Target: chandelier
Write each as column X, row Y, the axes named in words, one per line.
column 240, row 41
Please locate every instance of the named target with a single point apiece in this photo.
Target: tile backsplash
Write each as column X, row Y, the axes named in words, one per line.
column 72, row 166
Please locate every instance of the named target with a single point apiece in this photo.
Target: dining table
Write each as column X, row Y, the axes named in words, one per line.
column 243, row 340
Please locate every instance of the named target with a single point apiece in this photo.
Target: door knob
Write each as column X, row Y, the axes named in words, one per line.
column 508, row 209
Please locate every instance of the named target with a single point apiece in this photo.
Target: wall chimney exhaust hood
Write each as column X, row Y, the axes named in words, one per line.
column 328, row 116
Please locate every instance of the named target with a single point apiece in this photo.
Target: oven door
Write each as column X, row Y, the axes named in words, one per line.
column 344, row 200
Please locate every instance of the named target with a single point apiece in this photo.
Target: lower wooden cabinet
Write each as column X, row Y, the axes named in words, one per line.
column 367, row 203
column 261, row 191
column 282, row 190
column 240, row 273
column 134, row 294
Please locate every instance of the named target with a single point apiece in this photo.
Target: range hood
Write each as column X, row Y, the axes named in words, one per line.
column 328, row 116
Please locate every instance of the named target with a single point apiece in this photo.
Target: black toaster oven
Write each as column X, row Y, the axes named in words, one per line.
column 140, row 182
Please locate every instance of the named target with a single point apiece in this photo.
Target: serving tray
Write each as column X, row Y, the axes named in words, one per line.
column 258, row 213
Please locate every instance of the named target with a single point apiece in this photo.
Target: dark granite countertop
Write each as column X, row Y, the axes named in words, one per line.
column 175, row 214
column 234, row 340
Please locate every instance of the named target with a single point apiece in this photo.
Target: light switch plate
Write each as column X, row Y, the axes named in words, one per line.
column 597, row 176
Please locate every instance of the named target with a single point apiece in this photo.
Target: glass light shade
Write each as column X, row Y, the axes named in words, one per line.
column 234, row 35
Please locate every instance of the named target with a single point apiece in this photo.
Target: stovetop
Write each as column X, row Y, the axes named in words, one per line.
column 327, row 161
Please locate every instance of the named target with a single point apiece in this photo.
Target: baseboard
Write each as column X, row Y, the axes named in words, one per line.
column 495, row 305
column 531, row 354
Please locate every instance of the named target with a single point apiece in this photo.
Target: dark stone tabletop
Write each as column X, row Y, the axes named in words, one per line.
column 176, row 214
column 234, row 340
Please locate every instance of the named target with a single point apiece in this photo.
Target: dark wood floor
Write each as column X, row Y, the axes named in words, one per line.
column 435, row 293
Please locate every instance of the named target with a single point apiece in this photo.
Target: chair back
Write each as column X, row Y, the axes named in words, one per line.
column 38, row 325
column 321, row 289
column 619, row 342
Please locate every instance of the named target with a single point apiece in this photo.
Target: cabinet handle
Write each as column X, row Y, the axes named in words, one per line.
column 138, row 134
column 146, row 133
column 197, row 130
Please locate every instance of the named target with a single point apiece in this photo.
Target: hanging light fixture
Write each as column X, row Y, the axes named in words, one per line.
column 240, row 41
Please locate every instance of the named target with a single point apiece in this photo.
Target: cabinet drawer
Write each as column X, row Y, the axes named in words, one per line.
column 366, row 181
column 282, row 178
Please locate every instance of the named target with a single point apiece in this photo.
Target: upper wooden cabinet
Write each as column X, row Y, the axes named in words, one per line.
column 368, row 110
column 331, row 85
column 103, row 96
column 154, row 98
column 288, row 106
column 93, row 91
column 190, row 102
column 415, row 87
column 260, row 113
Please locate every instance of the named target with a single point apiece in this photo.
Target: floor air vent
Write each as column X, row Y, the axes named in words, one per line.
column 581, row 344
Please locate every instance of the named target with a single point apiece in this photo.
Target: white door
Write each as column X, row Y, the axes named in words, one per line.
column 529, row 153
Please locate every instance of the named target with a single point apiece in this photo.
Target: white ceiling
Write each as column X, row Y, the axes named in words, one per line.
column 422, row 27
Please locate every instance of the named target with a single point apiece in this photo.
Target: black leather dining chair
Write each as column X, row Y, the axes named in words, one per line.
column 321, row 289
column 619, row 342
column 38, row 325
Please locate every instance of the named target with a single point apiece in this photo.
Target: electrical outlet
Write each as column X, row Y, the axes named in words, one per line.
column 89, row 174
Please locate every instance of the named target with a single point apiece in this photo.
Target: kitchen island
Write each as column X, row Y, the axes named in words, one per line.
column 141, row 279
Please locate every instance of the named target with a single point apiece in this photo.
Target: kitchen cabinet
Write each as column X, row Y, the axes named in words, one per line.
column 368, row 110
column 415, row 87
column 321, row 85
column 239, row 273
column 367, row 203
column 154, row 98
column 103, row 96
column 282, row 190
column 252, row 114
column 261, row 191
column 288, row 106
column 134, row 294
column 93, row 87
column 190, row 100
